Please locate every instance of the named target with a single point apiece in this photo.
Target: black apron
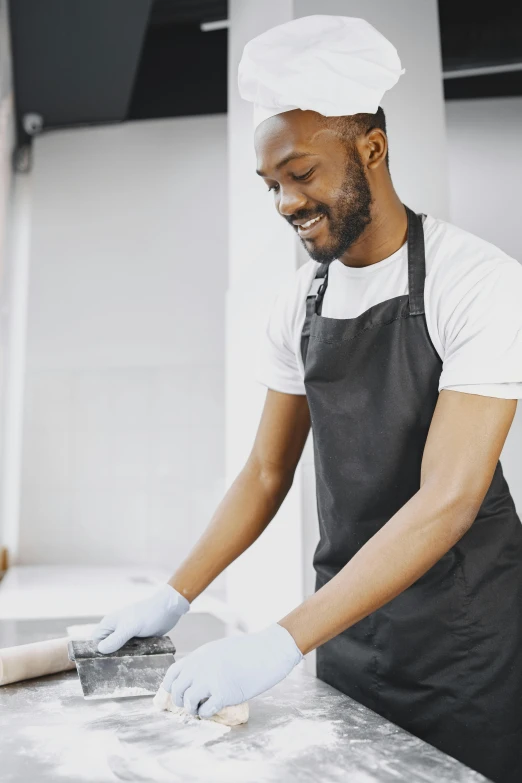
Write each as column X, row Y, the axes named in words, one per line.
column 443, row 659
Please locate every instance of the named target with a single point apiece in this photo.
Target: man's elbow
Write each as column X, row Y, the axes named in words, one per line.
column 459, row 506
column 464, row 511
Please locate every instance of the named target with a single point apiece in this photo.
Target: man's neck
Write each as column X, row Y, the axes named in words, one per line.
column 386, row 233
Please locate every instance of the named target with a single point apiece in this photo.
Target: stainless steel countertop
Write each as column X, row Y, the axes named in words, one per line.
column 301, row 731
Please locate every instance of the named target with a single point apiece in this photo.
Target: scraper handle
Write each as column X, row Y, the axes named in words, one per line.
column 151, row 645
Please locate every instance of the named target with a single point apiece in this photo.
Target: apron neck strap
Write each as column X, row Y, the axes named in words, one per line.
column 322, row 272
column 416, row 263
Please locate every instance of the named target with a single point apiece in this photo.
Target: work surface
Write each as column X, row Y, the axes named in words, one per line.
column 301, row 730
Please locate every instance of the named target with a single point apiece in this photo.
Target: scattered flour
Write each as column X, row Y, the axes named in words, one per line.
column 198, row 732
column 301, row 734
column 259, row 760
column 106, row 741
column 227, row 765
column 83, row 631
column 74, row 753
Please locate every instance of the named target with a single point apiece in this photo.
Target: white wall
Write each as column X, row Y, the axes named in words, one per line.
column 123, row 457
column 485, row 172
column 14, row 224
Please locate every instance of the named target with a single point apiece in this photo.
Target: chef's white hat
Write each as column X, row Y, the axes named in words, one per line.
column 334, row 65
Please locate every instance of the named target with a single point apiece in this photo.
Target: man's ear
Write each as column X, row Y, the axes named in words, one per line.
column 375, row 146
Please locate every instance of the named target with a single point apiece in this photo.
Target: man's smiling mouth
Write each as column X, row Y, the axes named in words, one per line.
column 304, row 229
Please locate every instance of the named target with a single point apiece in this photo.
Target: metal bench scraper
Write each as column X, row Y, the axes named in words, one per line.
column 136, row 669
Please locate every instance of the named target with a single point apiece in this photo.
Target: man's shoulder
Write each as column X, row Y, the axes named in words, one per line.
column 288, row 309
column 294, row 289
column 462, row 269
column 449, row 246
column 306, row 273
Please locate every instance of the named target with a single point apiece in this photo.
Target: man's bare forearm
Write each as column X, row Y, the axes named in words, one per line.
column 413, row 540
column 247, row 508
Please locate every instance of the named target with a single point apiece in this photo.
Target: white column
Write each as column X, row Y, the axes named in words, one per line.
column 414, row 108
column 266, row 582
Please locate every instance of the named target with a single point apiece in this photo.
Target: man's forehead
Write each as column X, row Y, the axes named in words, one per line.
column 287, row 137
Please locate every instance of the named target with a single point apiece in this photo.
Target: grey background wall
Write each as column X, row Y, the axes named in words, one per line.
column 123, row 458
column 485, row 169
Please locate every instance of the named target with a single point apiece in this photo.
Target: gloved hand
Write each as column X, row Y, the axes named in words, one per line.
column 232, row 670
column 153, row 616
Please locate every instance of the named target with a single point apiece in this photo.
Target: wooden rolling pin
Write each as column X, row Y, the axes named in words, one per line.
column 34, row 660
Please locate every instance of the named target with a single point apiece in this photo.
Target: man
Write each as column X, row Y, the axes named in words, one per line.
column 400, row 343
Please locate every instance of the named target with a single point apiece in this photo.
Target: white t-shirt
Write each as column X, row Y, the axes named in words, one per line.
column 473, row 307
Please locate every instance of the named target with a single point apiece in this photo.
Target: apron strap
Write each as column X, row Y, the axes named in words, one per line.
column 322, row 273
column 416, row 262
column 316, row 289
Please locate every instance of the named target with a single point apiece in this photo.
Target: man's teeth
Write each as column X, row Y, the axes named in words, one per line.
column 311, row 222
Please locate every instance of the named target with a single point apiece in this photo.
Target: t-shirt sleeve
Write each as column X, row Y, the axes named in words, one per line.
column 483, row 334
column 276, row 364
column 507, row 391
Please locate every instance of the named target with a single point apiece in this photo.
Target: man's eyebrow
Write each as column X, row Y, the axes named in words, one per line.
column 293, row 156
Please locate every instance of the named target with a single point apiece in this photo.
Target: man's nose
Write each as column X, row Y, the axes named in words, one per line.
column 290, row 202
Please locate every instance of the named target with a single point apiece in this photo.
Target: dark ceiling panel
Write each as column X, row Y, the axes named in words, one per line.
column 183, row 11
column 182, row 72
column 488, row 86
column 479, row 34
column 75, row 61
column 96, row 61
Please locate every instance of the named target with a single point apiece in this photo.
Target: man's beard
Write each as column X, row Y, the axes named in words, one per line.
column 352, row 214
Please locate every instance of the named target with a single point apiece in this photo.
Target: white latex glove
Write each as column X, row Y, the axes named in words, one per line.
column 154, row 616
column 231, row 670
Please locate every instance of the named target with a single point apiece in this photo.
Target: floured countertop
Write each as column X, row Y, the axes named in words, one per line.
column 300, row 731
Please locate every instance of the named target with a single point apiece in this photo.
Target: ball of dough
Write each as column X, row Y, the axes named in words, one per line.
column 228, row 716
column 232, row 716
